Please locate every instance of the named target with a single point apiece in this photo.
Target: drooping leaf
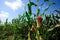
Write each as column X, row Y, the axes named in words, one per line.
column 57, row 11
column 50, row 29
column 52, row 3
column 53, row 27
column 31, row 3
column 29, row 7
column 58, row 25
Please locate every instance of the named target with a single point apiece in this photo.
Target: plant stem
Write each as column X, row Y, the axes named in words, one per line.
column 37, row 35
column 29, row 35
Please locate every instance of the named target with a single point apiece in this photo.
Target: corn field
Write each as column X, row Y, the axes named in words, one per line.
column 39, row 26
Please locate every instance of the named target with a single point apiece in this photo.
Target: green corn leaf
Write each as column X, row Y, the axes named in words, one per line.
column 46, row 9
column 46, row 0
column 0, row 21
column 29, row 9
column 28, row 17
column 42, row 14
column 57, row 11
column 6, row 22
column 50, row 29
column 38, row 11
column 52, row 3
column 31, row 3
column 58, row 25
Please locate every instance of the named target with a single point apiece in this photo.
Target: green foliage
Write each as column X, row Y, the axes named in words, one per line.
column 58, row 12
column 29, row 7
column 18, row 28
column 52, row 3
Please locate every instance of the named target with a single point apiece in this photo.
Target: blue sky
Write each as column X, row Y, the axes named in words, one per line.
column 11, row 8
